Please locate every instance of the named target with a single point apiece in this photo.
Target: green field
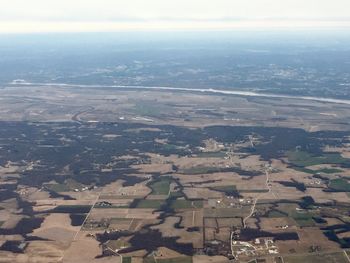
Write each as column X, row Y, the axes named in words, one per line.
column 169, row 147
column 305, row 159
column 115, row 220
column 161, row 187
column 326, row 258
column 324, row 170
column 305, row 222
column 154, row 204
column 275, row 214
column 147, row 109
column 57, row 187
column 149, row 259
column 287, row 208
column 126, row 260
column 303, row 219
column 69, row 185
column 177, row 194
column 329, row 170
column 185, row 204
column 340, row 185
column 176, row 260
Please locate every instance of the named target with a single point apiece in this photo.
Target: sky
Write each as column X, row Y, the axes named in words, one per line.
column 123, row 15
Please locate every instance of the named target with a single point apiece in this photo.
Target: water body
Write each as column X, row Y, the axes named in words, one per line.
column 210, row 90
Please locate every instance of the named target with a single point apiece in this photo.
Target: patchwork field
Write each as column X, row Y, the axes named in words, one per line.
column 122, row 182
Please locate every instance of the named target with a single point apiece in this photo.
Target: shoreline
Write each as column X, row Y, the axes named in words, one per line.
column 210, row 90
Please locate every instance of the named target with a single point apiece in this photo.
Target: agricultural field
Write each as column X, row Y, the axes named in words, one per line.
column 332, row 257
column 128, row 183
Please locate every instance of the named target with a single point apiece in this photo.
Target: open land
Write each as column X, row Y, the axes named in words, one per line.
column 123, row 175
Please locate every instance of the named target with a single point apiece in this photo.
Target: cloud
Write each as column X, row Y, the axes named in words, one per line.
column 20, row 14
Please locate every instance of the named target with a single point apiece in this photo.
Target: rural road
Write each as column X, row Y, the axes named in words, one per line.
column 268, row 186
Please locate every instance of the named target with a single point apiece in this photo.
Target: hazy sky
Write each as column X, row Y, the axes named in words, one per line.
column 109, row 15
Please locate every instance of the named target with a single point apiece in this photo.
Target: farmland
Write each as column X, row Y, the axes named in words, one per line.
column 136, row 185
